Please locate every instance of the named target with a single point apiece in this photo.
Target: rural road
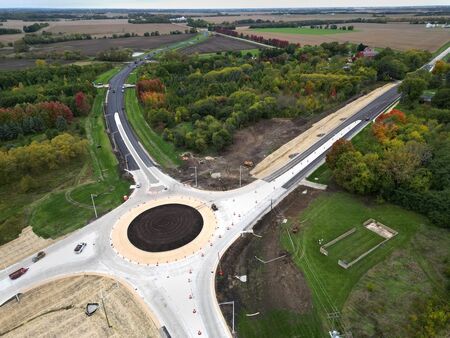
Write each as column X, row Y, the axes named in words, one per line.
column 180, row 294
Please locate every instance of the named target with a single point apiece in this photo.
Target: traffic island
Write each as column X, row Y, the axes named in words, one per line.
column 164, row 230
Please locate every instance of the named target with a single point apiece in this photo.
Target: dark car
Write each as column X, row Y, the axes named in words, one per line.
column 16, row 274
column 79, row 248
column 367, row 118
column 39, row 256
column 214, row 207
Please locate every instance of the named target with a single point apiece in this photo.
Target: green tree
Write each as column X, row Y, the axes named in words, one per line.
column 338, row 148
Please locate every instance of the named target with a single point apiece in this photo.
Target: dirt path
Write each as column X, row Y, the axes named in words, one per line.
column 57, row 309
column 302, row 142
column 258, row 294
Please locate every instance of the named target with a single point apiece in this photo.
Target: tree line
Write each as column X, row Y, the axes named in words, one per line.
column 36, row 157
column 405, row 159
column 198, row 103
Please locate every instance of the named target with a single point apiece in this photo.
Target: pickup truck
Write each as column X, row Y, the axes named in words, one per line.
column 16, row 274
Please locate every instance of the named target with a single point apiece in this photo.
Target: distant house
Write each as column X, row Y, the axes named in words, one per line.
column 367, row 53
column 179, row 19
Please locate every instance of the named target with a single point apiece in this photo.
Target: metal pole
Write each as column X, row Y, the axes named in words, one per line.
column 195, row 173
column 93, row 204
column 240, row 176
column 196, row 180
column 233, row 319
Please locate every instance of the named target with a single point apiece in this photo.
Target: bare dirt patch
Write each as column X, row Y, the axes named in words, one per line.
column 27, row 244
column 259, row 293
column 92, row 47
column 218, row 43
column 12, row 64
column 401, row 36
column 57, row 309
column 294, row 17
column 109, row 27
column 251, row 143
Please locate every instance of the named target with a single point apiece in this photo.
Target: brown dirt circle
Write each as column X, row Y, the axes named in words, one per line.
column 170, row 238
column 165, row 227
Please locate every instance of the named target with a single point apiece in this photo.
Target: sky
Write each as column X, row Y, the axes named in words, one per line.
column 157, row 4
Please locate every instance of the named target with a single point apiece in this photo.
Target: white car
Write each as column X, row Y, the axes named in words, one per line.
column 80, row 247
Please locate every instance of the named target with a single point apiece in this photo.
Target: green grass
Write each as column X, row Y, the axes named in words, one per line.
column 132, row 78
column 302, row 30
column 354, row 245
column 106, row 76
column 441, row 49
column 253, row 52
column 323, row 174
column 162, row 152
column 329, row 216
column 64, row 211
column 278, row 324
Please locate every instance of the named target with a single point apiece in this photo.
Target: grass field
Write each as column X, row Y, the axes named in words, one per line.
column 354, row 245
column 323, row 175
column 106, row 76
column 66, row 210
column 302, row 31
column 279, row 324
column 162, row 152
column 328, row 217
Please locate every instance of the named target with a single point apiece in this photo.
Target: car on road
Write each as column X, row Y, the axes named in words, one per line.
column 80, row 247
column 18, row 273
column 39, row 256
column 138, row 185
column 123, row 90
column 367, row 118
column 114, row 91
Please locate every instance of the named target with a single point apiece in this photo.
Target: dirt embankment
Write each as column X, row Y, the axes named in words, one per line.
column 57, row 309
column 258, row 294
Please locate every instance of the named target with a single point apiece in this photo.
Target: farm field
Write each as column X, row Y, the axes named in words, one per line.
column 217, row 43
column 302, row 30
column 62, row 313
column 97, row 28
column 92, row 47
column 11, row 64
column 400, row 36
column 294, row 17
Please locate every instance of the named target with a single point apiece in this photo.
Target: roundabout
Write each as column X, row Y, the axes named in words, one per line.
column 163, row 230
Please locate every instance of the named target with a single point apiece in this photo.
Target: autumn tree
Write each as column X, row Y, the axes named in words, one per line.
column 338, row 148
column 82, row 103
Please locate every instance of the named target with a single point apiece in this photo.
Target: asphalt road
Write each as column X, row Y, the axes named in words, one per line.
column 174, row 290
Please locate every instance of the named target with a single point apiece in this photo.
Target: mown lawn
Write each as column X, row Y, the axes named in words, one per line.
column 327, row 217
column 66, row 210
column 322, row 175
column 162, row 152
column 302, row 30
column 279, row 324
column 354, row 245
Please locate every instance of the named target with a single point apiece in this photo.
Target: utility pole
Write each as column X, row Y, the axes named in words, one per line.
column 195, row 173
column 93, row 204
column 126, row 161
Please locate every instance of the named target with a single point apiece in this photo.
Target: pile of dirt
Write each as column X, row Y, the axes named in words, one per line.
column 278, row 285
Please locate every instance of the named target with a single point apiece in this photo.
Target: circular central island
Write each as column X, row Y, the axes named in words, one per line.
column 164, row 230
column 165, row 227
